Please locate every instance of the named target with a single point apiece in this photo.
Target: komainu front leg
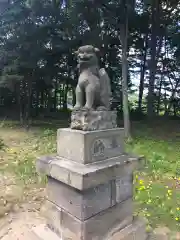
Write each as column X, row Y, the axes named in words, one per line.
column 90, row 97
column 79, row 98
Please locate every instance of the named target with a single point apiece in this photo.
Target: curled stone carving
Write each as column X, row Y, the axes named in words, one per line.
column 98, row 148
column 93, row 120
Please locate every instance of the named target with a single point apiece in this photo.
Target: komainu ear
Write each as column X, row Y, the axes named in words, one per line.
column 96, row 50
column 76, row 52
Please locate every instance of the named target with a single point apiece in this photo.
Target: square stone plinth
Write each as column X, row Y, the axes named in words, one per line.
column 97, row 227
column 93, row 120
column 134, row 231
column 87, row 176
column 88, row 203
column 43, row 232
column 91, row 146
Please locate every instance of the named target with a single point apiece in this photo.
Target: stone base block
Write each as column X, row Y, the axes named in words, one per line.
column 134, row 231
column 88, row 147
column 43, row 232
column 93, row 120
column 85, row 204
column 97, row 227
column 87, row 176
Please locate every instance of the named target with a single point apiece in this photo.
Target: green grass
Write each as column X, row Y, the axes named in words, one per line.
column 157, row 187
column 21, row 149
column 157, row 194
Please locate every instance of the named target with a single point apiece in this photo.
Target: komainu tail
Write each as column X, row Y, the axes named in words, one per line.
column 105, row 85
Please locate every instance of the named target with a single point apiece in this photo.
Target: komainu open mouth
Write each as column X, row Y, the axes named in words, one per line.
column 84, row 59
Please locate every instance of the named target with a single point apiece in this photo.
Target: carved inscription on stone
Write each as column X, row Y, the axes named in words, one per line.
column 98, row 148
column 106, row 147
column 124, row 188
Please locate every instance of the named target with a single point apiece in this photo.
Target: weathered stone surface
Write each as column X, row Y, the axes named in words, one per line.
column 94, row 228
column 135, row 231
column 82, row 176
column 85, row 204
column 88, row 147
column 44, row 165
column 42, row 232
column 93, row 120
column 98, row 226
column 124, row 187
column 82, row 205
column 52, row 214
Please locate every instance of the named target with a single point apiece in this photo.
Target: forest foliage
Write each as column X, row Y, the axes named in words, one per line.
column 38, row 70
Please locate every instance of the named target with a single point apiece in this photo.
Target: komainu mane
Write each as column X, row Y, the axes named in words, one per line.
column 93, row 91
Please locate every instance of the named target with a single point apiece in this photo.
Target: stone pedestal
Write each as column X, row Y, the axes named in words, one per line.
column 93, row 120
column 90, row 188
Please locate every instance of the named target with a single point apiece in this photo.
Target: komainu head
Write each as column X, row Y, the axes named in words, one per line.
column 87, row 55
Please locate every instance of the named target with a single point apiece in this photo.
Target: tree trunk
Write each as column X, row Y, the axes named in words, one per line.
column 49, row 100
column 42, row 100
column 20, row 109
column 37, row 103
column 165, row 103
column 73, row 96
column 169, row 106
column 124, row 38
column 159, row 94
column 160, row 88
column 153, row 63
column 21, row 99
column 65, row 91
column 143, row 68
column 29, row 103
column 55, row 95
column 174, row 108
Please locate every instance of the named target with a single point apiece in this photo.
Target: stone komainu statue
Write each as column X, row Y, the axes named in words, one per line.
column 93, row 90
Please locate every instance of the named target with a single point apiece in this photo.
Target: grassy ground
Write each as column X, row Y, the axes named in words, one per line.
column 157, row 192
column 157, row 187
